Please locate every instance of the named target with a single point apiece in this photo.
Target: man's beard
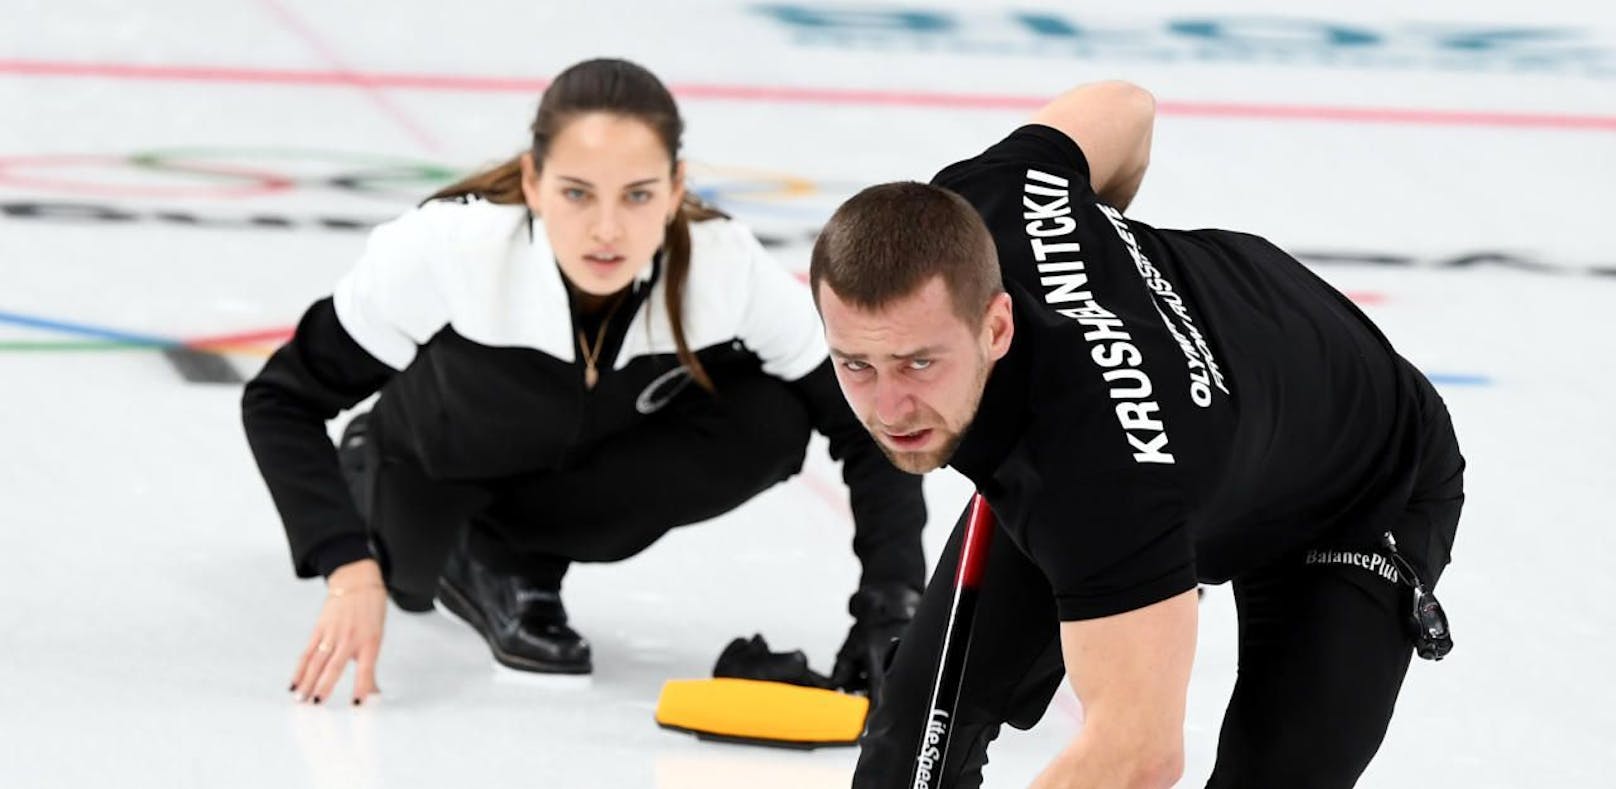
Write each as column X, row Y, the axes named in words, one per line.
column 923, row 462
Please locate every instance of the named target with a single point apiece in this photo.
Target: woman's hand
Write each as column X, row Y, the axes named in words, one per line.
column 349, row 628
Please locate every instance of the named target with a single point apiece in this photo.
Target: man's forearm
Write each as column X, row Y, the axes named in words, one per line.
column 1132, row 673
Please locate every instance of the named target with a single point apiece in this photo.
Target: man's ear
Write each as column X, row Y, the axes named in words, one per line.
column 998, row 327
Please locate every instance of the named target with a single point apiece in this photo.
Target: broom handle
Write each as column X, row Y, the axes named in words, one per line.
column 928, row 772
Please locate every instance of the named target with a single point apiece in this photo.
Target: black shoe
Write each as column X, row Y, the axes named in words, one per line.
column 524, row 624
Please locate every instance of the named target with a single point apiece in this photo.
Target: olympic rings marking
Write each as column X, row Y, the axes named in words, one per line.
column 380, row 174
column 222, row 175
column 247, row 183
column 235, row 173
column 768, row 192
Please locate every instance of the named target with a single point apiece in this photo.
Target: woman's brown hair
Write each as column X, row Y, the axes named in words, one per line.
column 621, row 88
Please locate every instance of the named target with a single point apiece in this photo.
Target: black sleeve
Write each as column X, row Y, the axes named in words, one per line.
column 889, row 510
column 1034, row 144
column 320, row 372
column 1111, row 536
column 1039, row 159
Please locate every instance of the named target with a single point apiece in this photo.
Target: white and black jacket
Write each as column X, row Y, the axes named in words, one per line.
column 459, row 310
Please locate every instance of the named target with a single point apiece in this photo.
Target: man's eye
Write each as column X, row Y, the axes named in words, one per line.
column 854, row 367
column 919, row 364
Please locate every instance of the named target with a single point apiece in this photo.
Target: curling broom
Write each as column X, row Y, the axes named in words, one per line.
column 933, row 752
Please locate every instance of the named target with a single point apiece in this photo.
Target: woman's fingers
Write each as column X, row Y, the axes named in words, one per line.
column 365, row 674
column 370, row 607
column 303, row 662
column 350, row 629
column 319, row 659
column 334, row 668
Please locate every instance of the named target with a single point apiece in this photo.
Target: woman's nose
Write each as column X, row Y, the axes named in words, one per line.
column 607, row 229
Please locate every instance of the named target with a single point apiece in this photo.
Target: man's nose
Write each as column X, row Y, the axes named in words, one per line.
column 894, row 403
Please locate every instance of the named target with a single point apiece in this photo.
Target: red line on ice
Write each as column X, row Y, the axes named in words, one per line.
column 328, row 53
column 804, row 95
column 278, row 335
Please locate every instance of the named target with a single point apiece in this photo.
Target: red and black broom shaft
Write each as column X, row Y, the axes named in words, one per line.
column 928, row 772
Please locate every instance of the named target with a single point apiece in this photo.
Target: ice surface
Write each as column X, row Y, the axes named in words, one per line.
column 150, row 620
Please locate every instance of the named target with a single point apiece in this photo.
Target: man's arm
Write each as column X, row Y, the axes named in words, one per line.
column 1132, row 672
column 1112, row 123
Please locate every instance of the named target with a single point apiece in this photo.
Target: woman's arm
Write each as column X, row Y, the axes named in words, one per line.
column 345, row 348
column 284, row 409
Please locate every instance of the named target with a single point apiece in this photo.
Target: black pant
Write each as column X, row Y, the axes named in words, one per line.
column 1323, row 650
column 699, row 457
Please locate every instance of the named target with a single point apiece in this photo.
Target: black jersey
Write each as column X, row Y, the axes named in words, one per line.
column 1175, row 404
column 458, row 313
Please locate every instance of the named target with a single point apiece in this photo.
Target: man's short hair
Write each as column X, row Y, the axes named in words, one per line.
column 889, row 240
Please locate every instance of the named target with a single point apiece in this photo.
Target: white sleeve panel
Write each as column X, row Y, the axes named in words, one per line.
column 390, row 302
column 779, row 322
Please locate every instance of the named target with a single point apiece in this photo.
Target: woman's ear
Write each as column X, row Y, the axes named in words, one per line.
column 678, row 188
column 530, row 182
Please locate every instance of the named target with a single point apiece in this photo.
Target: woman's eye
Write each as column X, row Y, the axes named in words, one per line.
column 639, row 196
column 574, row 194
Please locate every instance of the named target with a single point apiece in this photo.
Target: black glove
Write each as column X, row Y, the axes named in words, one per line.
column 752, row 659
column 880, row 614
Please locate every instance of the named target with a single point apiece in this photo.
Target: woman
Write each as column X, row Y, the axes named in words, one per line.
column 548, row 336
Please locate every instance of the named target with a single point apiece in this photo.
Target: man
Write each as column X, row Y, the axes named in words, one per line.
column 1142, row 409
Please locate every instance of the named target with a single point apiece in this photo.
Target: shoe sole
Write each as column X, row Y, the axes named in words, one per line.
column 454, row 602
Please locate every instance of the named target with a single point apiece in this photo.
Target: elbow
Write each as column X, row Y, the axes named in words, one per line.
column 266, row 407
column 1139, row 106
column 1143, row 100
column 1130, row 99
column 256, row 399
column 1133, row 110
column 249, row 401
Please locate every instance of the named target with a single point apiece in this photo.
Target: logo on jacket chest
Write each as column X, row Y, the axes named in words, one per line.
column 662, row 390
